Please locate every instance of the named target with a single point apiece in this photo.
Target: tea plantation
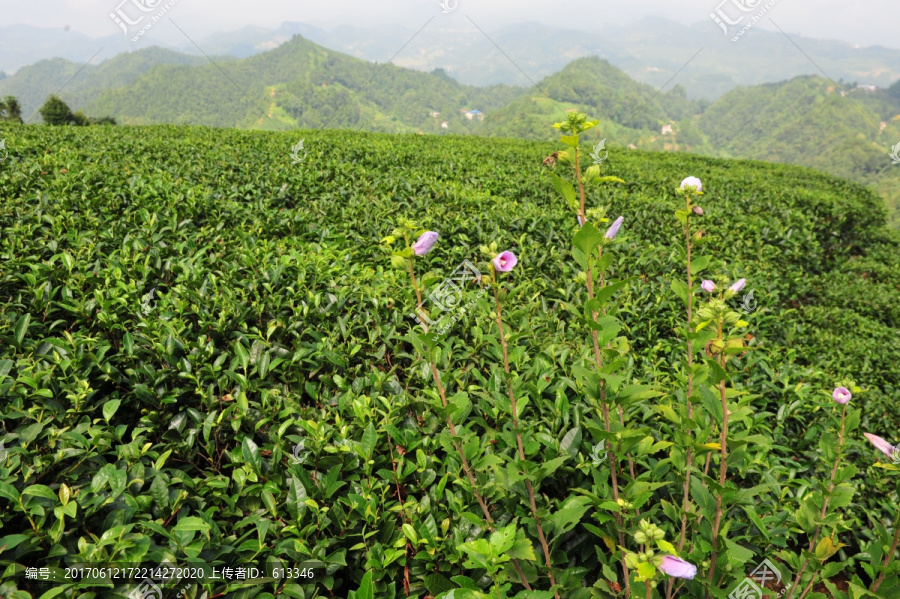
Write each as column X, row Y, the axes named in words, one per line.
column 208, row 357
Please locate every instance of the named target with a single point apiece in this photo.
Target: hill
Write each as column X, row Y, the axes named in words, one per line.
column 808, row 121
column 82, row 84
column 300, row 84
column 629, row 111
column 207, row 356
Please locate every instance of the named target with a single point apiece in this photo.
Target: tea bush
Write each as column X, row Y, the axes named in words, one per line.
column 208, row 356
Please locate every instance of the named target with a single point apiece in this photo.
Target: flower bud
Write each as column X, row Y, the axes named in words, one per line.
column 614, row 229
column 677, row 567
column 425, row 242
column 698, row 210
column 738, row 285
column 880, row 444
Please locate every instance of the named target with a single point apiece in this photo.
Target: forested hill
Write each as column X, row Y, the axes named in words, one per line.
column 301, row 84
column 82, row 84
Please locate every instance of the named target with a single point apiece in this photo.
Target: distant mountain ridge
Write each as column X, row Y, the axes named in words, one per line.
column 650, row 51
column 299, row 84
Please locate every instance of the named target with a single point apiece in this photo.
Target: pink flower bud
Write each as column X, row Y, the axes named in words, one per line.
column 614, row 229
column 881, row 445
column 425, row 242
column 677, row 567
column 738, row 285
column 708, row 286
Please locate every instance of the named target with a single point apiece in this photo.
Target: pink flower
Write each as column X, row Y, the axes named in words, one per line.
column 692, row 182
column 738, row 285
column 425, row 242
column 505, row 261
column 841, row 395
column 708, row 286
column 614, row 229
column 881, row 445
column 678, row 568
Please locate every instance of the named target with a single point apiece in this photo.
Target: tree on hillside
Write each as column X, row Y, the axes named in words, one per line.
column 80, row 119
column 56, row 112
column 10, row 109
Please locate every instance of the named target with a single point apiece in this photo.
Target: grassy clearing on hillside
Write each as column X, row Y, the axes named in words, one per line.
column 170, row 420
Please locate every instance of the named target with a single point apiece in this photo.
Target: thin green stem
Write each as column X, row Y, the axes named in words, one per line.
column 723, row 461
column 465, row 462
column 812, row 544
column 689, row 458
column 621, row 409
column 613, row 460
column 515, row 420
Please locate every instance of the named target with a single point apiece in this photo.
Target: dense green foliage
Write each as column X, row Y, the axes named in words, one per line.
column 142, row 425
column 805, row 121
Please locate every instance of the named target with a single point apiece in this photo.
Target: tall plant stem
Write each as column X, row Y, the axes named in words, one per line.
column 621, row 409
column 723, row 466
column 890, row 554
column 613, row 461
column 689, row 458
column 614, row 466
column 812, row 544
column 515, row 419
column 580, row 185
column 465, row 462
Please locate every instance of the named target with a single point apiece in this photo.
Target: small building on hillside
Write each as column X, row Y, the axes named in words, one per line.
column 474, row 114
column 444, row 125
column 667, row 130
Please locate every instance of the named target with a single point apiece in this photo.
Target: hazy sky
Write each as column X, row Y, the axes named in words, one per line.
column 866, row 23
